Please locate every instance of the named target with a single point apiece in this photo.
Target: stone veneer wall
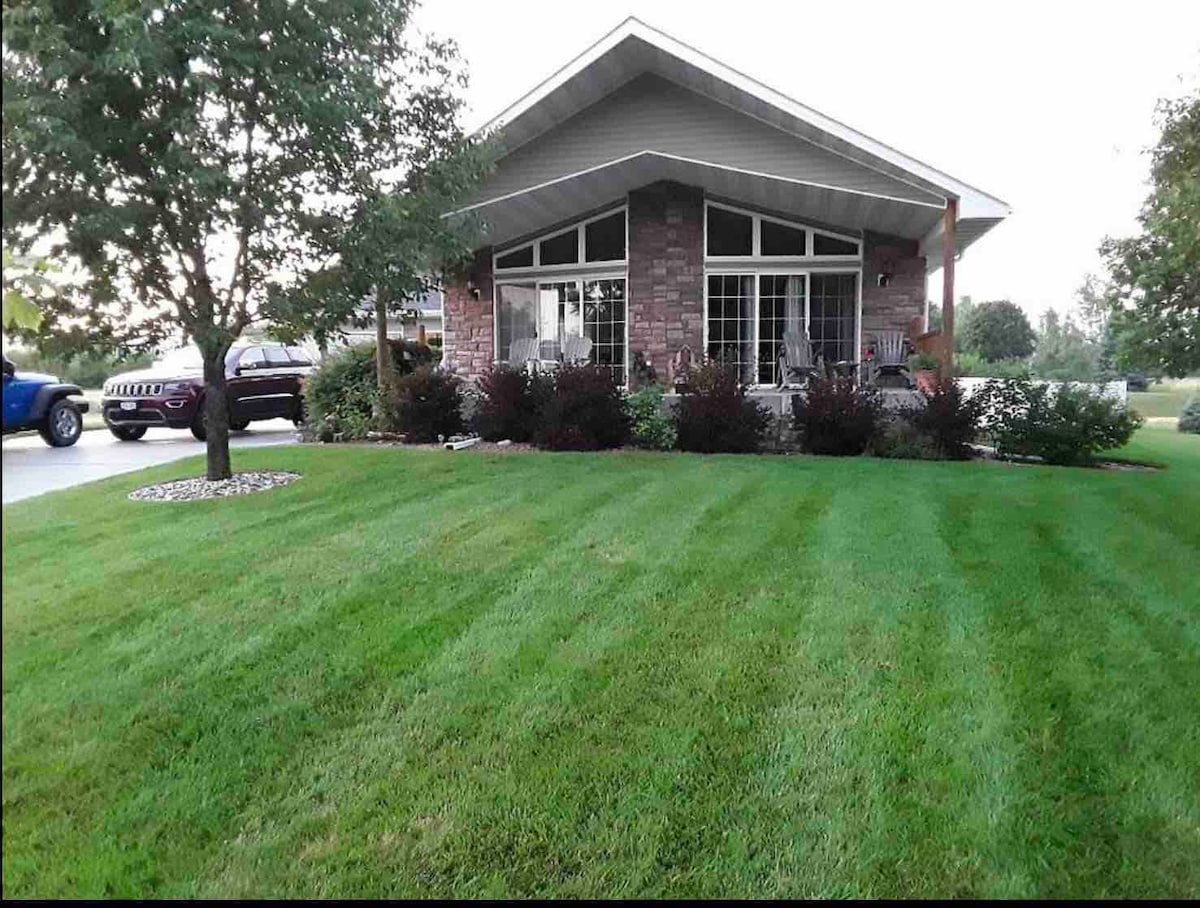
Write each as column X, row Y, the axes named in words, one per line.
column 665, row 291
column 468, row 323
column 893, row 306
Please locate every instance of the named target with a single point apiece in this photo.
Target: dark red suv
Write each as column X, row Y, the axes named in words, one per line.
column 265, row 382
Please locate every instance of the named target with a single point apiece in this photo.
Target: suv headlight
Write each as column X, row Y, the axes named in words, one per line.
column 172, row 386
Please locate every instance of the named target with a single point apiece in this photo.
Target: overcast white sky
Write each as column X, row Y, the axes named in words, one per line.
column 1048, row 105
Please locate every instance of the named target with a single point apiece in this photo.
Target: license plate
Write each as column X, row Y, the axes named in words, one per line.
column 129, row 405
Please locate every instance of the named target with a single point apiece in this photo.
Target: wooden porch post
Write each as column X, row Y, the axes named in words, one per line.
column 949, row 249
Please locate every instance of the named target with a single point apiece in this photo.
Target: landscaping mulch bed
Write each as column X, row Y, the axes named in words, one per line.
column 201, row 489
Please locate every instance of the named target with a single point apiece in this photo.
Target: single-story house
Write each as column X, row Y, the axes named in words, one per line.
column 425, row 314
column 651, row 198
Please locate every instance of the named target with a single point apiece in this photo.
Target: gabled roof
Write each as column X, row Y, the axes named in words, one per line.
column 633, row 48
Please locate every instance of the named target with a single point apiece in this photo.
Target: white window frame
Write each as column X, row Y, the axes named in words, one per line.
column 549, row 276
column 756, row 239
column 581, row 238
column 766, row 268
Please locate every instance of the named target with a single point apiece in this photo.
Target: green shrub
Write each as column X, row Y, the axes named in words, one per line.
column 947, row 420
column 975, row 366
column 714, row 415
column 426, row 405
column 409, row 355
column 509, row 400
column 581, row 409
column 651, row 427
column 1062, row 425
column 1189, row 419
column 900, row 439
column 837, row 416
column 340, row 394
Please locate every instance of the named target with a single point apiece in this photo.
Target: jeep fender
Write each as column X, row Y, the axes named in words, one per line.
column 48, row 394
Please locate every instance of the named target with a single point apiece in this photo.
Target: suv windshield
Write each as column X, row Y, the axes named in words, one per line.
column 188, row 359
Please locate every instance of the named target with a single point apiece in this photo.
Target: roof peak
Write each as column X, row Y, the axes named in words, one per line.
column 842, row 138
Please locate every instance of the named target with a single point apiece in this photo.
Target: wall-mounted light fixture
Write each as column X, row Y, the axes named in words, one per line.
column 887, row 270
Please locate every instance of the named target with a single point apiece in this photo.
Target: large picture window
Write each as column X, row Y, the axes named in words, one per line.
column 552, row 311
column 748, row 314
column 832, row 303
column 731, row 322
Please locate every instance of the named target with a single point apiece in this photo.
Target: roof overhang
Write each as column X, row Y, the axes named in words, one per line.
column 514, row 216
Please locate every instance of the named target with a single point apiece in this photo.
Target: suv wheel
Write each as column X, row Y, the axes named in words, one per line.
column 63, row 424
column 128, row 433
column 200, row 421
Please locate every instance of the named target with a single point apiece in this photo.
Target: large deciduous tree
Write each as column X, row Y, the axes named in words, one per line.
column 191, row 155
column 390, row 250
column 1154, row 278
column 998, row 330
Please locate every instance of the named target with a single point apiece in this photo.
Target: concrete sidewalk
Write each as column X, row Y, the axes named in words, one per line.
column 32, row 467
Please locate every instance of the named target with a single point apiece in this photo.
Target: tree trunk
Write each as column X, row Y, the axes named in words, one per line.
column 384, row 370
column 383, row 353
column 216, row 407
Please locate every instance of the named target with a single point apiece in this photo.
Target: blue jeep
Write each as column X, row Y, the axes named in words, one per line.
column 36, row 401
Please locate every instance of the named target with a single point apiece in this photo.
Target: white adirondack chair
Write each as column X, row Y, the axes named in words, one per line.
column 891, row 354
column 576, row 349
column 796, row 361
column 522, row 352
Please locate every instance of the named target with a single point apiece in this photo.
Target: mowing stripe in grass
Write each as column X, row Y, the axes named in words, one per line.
column 1076, row 816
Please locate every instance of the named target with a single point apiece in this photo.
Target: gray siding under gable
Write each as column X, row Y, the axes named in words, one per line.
column 652, row 113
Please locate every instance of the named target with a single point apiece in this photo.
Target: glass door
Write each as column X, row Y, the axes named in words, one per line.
column 559, row 314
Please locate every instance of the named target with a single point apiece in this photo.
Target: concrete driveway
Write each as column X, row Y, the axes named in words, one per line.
column 32, row 467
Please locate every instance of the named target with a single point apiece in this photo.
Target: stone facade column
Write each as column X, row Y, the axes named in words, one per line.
column 895, row 306
column 666, row 272
column 468, row 323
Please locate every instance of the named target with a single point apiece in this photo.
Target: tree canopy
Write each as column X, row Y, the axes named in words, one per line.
column 1154, row 277
column 195, row 158
column 998, row 330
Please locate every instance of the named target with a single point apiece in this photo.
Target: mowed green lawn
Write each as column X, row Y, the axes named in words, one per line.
column 1165, row 398
column 434, row 674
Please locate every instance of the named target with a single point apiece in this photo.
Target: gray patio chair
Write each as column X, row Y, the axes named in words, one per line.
column 522, row 352
column 576, row 349
column 891, row 355
column 796, row 361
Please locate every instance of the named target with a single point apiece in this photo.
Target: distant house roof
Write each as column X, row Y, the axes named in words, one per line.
column 633, row 49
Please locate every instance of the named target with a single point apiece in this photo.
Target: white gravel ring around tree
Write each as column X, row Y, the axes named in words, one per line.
column 200, row 489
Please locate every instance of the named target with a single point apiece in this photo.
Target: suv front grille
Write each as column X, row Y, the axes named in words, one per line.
column 135, row 389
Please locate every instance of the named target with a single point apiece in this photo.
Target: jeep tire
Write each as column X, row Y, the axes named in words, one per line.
column 128, row 433
column 200, row 421
column 62, row 425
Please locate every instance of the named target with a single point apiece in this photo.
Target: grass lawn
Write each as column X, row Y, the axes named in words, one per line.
column 1165, row 398
column 417, row 673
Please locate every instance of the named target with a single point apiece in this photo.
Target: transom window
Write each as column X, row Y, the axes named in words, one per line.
column 747, row 314
column 733, row 233
column 598, row 240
